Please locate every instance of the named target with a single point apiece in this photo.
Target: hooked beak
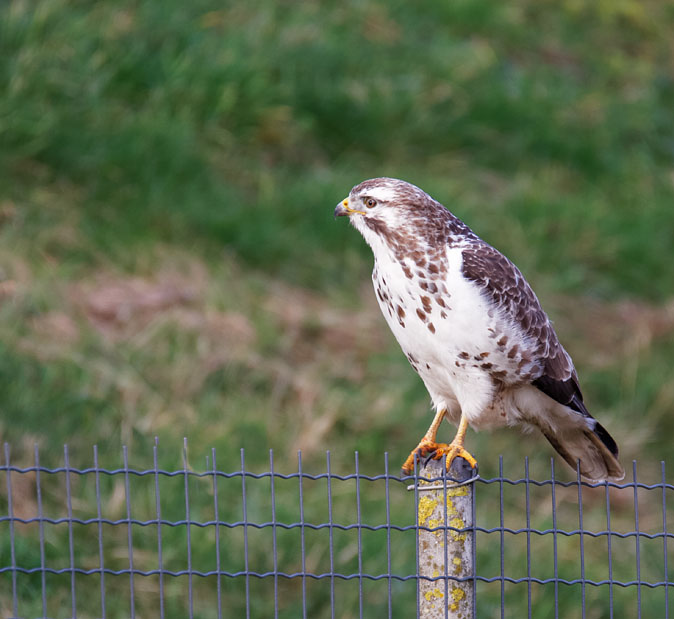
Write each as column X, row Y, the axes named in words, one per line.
column 343, row 208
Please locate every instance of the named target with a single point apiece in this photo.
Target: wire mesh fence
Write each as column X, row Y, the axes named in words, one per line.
column 153, row 542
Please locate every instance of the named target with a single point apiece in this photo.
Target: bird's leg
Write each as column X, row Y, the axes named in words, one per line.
column 455, row 448
column 428, row 445
column 432, row 431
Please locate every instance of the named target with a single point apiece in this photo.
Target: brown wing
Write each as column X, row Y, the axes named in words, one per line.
column 503, row 283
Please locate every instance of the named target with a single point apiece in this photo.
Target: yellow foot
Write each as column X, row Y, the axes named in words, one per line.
column 437, row 451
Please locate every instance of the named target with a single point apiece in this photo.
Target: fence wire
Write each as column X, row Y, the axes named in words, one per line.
column 153, row 542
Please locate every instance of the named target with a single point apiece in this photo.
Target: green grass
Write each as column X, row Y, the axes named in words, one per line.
column 169, row 265
column 178, row 123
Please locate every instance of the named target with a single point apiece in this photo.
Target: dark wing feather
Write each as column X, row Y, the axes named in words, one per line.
column 566, row 392
column 502, row 281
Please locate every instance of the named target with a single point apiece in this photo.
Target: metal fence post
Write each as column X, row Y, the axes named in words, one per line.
column 446, row 551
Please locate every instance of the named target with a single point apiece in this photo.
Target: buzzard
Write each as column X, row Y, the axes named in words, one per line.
column 473, row 329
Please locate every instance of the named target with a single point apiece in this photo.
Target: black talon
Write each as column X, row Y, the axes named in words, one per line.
column 428, row 458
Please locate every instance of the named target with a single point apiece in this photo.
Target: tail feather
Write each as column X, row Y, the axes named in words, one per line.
column 565, row 421
column 592, row 447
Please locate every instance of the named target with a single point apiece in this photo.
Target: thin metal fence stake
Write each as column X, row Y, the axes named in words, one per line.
column 416, row 523
column 609, row 548
column 582, row 539
column 554, row 536
column 273, row 530
column 216, row 514
column 71, row 550
column 474, row 553
column 99, row 516
column 331, row 537
column 528, row 520
column 636, row 539
column 127, row 496
column 245, row 532
column 188, row 531
column 12, row 546
column 445, row 535
column 501, row 533
column 445, row 540
column 40, row 515
column 160, row 550
column 388, row 534
column 664, row 537
column 302, row 537
column 360, row 541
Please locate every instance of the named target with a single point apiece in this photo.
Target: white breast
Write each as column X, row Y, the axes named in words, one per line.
column 448, row 336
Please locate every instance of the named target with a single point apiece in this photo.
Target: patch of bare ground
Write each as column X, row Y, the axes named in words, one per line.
column 118, row 306
column 309, row 340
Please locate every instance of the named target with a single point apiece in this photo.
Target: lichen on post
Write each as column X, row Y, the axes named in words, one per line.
column 446, row 551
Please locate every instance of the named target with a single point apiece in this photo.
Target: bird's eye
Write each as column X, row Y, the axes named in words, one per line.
column 370, row 203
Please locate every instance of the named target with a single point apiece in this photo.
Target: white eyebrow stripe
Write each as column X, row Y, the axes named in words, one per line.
column 382, row 193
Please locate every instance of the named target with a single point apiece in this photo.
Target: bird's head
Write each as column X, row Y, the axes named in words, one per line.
column 382, row 198
column 386, row 207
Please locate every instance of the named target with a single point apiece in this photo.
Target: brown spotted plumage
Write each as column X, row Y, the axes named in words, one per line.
column 473, row 329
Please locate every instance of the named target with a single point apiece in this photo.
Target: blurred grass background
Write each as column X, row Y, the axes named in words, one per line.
column 169, row 265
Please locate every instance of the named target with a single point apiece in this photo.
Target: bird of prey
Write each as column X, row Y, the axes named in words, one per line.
column 473, row 329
